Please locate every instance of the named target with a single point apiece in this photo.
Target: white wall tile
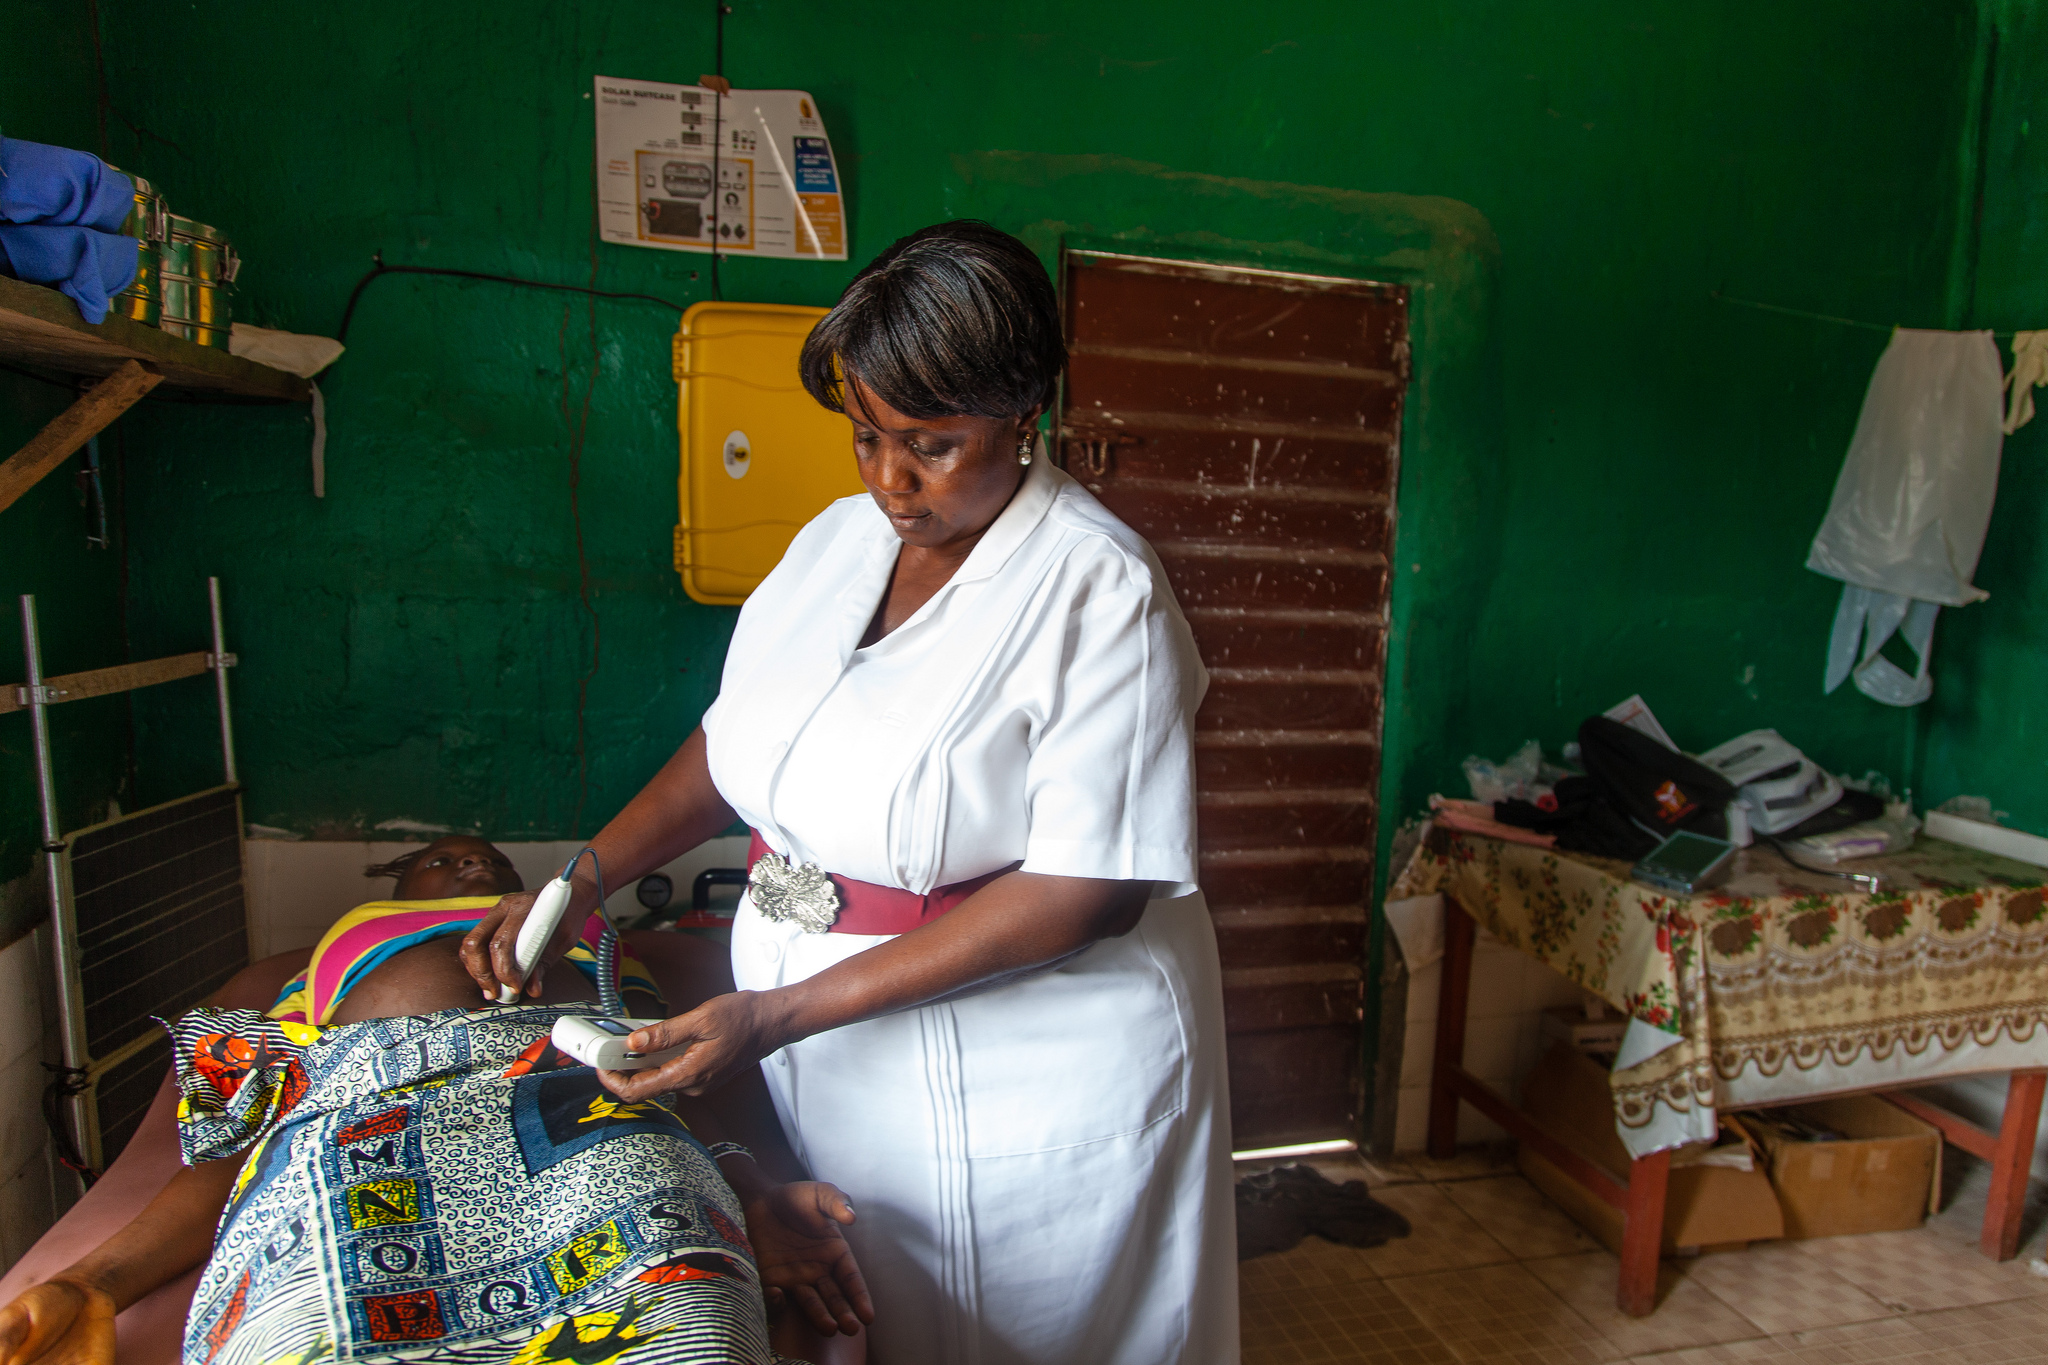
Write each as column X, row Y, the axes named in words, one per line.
column 26, row 1186
column 1546, row 988
column 1418, row 1046
column 1499, row 980
column 26, row 1212
column 1411, row 1119
column 295, row 890
column 1422, row 988
column 21, row 1001
column 1490, row 1045
column 1411, row 1122
column 22, row 1131
column 1503, row 1035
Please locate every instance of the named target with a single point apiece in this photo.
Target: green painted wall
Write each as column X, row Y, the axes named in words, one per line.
column 1987, row 725
column 47, row 95
column 426, row 644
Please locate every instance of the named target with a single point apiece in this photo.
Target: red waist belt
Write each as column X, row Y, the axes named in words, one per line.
column 865, row 908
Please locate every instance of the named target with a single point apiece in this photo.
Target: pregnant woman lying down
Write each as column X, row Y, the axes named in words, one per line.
column 378, row 1167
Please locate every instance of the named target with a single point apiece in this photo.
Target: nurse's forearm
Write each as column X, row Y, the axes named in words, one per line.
column 1018, row 923
column 677, row 810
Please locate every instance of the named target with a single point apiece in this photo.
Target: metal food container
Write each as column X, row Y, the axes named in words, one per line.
column 148, row 220
column 197, row 267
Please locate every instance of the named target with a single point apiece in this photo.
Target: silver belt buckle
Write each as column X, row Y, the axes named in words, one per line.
column 789, row 893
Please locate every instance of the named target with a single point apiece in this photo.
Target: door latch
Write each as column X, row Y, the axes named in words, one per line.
column 1094, row 448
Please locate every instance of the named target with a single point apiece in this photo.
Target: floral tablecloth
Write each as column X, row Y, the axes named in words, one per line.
column 1782, row 984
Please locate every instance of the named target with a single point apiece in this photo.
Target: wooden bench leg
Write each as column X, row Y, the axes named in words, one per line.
column 1642, row 1234
column 2010, row 1163
column 1454, row 993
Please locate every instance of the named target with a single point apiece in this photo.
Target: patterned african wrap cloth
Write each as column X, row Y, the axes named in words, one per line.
column 450, row 1187
column 1779, row 986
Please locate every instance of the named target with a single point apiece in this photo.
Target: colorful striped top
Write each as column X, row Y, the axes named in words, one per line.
column 368, row 935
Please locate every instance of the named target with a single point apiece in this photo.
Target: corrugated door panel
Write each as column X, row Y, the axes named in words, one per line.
column 1236, row 460
column 1247, row 315
column 1247, row 423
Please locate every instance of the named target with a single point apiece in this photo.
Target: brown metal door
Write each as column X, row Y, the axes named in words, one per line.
column 1247, row 423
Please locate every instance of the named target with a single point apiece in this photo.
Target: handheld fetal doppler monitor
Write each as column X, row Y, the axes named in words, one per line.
column 600, row 1041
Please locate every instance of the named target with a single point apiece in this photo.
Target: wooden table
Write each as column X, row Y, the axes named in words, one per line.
column 1707, row 966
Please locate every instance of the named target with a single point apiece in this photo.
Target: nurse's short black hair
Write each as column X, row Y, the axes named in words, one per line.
column 956, row 320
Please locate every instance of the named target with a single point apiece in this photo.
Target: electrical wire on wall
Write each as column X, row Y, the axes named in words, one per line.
column 719, row 9
column 378, row 270
column 575, row 412
column 1887, row 327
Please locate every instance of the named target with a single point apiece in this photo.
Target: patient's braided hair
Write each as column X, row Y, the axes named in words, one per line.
column 397, row 867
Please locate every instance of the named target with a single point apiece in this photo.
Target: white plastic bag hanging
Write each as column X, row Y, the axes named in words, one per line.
column 1910, row 509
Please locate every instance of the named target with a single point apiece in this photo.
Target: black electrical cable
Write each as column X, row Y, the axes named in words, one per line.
column 609, row 946
column 379, row 270
column 65, row 1081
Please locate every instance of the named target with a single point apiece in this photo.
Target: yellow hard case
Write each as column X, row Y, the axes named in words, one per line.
column 759, row 456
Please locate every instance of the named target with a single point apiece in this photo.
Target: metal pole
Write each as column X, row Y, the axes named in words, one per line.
column 39, row 722
column 70, row 1008
column 220, row 661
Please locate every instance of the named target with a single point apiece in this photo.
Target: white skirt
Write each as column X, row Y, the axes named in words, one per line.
column 1040, row 1173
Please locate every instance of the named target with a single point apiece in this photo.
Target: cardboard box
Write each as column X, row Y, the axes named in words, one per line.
column 1569, row 1024
column 1884, row 1174
column 1704, row 1206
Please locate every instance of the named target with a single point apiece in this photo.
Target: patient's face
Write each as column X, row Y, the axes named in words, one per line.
column 458, row 866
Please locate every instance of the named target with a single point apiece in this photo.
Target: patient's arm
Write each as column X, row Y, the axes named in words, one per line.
column 68, row 1319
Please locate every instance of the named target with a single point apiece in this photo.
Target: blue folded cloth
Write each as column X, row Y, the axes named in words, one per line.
column 60, row 222
column 59, row 186
column 91, row 267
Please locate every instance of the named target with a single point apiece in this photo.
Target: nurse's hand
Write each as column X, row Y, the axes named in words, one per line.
column 803, row 1256
column 488, row 949
column 724, row 1035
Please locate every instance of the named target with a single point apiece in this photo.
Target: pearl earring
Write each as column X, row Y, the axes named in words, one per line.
column 1024, row 452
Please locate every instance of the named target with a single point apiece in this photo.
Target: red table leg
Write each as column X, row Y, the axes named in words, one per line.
column 1454, row 993
column 1642, row 1234
column 2010, row 1163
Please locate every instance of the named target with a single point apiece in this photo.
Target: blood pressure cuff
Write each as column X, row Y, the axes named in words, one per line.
column 1657, row 787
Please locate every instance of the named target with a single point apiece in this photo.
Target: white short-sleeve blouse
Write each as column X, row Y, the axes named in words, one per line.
column 1039, row 709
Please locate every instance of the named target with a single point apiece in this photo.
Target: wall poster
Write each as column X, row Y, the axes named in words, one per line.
column 683, row 168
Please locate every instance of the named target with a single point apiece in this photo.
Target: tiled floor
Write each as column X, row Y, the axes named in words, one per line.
column 1494, row 1273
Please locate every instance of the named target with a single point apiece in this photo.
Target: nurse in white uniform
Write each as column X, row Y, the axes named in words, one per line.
column 973, row 962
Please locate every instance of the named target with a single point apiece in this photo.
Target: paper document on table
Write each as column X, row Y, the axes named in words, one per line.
column 1635, row 714
column 683, row 168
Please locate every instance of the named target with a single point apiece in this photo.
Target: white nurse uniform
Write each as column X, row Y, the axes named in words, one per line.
column 1041, row 1170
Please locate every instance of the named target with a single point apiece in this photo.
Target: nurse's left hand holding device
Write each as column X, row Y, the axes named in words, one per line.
column 540, row 926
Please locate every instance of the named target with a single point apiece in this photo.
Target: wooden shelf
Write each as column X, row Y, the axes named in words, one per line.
column 41, row 329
